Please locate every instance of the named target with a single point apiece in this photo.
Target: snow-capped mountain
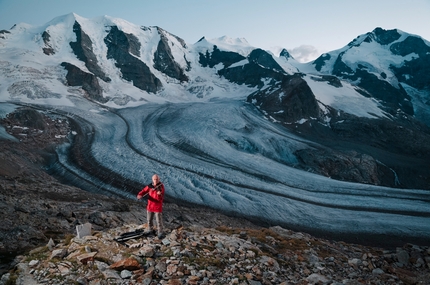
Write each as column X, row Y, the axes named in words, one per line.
column 120, row 64
column 233, row 126
column 390, row 66
column 109, row 60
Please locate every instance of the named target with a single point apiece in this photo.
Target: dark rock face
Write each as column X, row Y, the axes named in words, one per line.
column 29, row 118
column 410, row 45
column 121, row 46
column 330, row 79
column 250, row 74
column 415, row 72
column 260, row 66
column 84, row 51
column 292, row 101
column 320, row 61
column 346, row 166
column 164, row 61
column 88, row 81
column 385, row 37
column 48, row 50
column 286, row 54
column 393, row 97
column 264, row 59
column 227, row 58
column 407, row 138
column 371, row 151
column 2, row 33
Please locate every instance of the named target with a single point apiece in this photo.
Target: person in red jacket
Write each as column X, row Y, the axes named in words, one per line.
column 155, row 192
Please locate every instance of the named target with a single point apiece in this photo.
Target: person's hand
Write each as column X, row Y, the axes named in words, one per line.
column 158, row 192
column 139, row 197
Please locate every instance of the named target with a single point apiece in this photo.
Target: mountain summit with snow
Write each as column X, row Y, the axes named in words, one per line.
column 120, row 64
column 233, row 126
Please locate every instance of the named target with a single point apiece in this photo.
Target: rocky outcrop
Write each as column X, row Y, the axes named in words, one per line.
column 264, row 59
column 258, row 71
column 285, row 54
column 348, row 166
column 27, row 118
column 3, row 33
column 48, row 50
column 321, row 61
column 394, row 97
column 384, row 37
column 125, row 50
column 227, row 58
column 368, row 150
column 83, row 49
column 76, row 77
column 292, row 101
column 414, row 72
column 222, row 255
column 164, row 60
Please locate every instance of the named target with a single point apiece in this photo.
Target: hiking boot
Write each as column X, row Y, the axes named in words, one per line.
column 161, row 235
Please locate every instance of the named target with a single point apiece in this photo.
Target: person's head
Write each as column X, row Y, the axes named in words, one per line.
column 155, row 179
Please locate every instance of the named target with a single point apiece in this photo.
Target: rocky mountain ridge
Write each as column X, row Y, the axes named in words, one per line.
column 366, row 101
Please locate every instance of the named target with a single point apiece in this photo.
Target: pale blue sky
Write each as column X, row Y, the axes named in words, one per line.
column 315, row 26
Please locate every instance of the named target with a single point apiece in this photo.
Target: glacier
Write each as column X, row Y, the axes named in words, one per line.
column 224, row 155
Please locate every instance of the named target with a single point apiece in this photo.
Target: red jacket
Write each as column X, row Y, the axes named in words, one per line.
column 155, row 201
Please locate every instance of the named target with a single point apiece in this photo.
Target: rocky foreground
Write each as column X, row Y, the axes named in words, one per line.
column 222, row 255
column 38, row 242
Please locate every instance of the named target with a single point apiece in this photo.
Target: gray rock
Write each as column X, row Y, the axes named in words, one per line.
column 402, row 256
column 126, row 274
column 58, row 253
column 378, row 271
column 316, row 278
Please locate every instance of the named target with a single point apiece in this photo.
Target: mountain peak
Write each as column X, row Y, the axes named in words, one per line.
column 234, row 41
column 284, row 53
column 225, row 43
column 67, row 19
column 385, row 37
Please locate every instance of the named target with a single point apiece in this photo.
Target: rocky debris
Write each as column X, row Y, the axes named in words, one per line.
column 223, row 255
